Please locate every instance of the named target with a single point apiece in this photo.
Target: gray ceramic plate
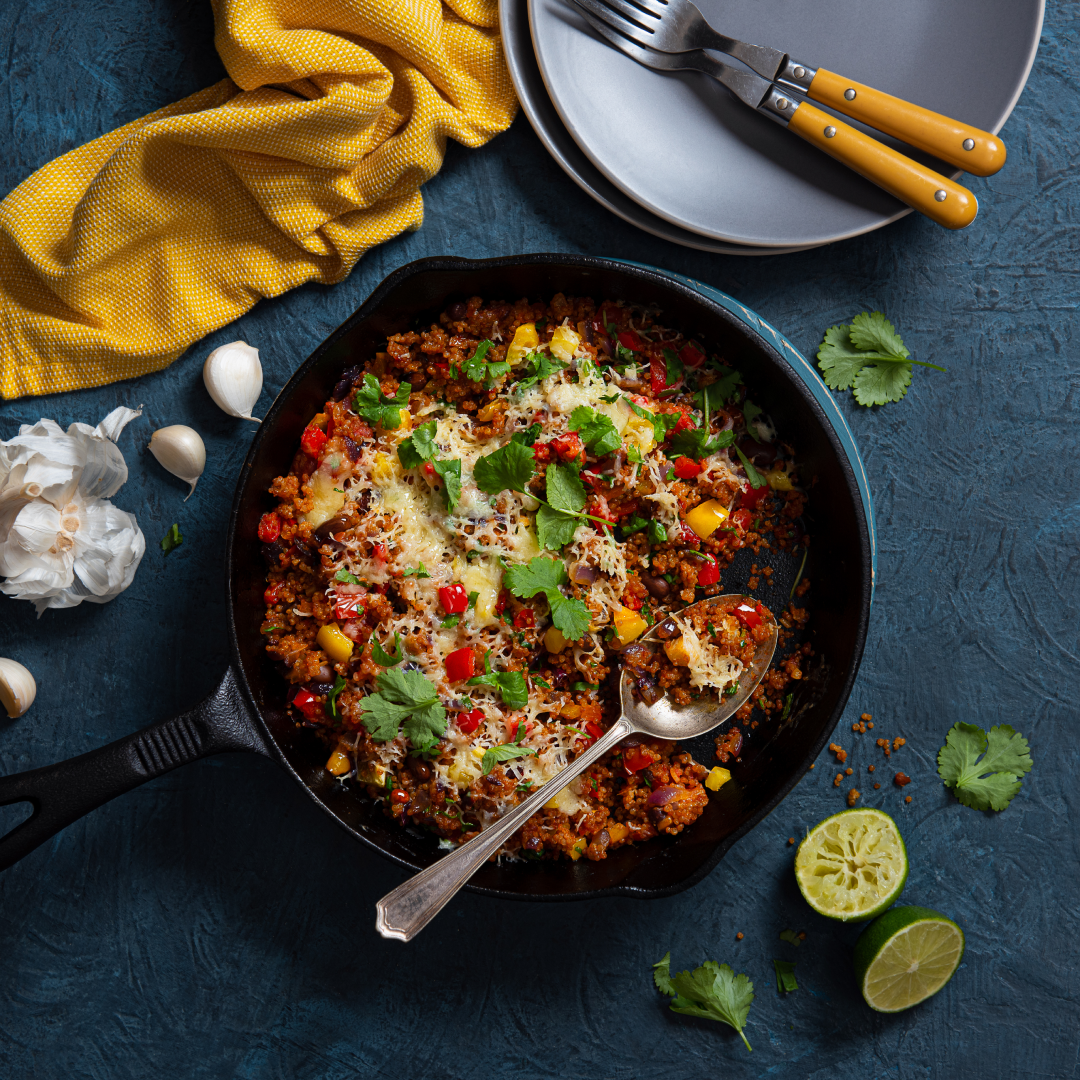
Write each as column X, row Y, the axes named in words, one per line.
column 687, row 151
column 514, row 23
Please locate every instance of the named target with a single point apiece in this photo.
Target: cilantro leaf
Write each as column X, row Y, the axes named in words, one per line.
column 673, row 366
column 662, row 422
column 750, row 413
column 404, row 697
column 511, row 686
column 872, row 332
column 1006, row 760
column 785, row 976
column 714, row 395
column 527, row 437
column 348, row 578
column 554, row 528
column 633, row 454
column 879, row 383
column 541, row 366
column 376, row 408
column 509, row 468
column 755, row 478
column 656, row 532
column 839, row 359
column 597, row 431
column 544, row 575
column 633, row 525
column 420, row 571
column 450, row 471
column 506, row 752
column 419, row 446
column 712, row 991
column 172, row 539
column 697, row 443
column 335, row 693
column 790, row 935
column 385, row 659
column 565, row 490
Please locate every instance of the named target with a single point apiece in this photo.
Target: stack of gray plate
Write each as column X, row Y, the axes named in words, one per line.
column 679, row 157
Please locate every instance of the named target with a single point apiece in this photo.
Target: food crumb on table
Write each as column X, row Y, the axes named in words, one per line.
column 791, row 840
column 839, row 779
column 739, row 936
column 853, row 797
column 876, row 786
column 901, row 780
column 898, row 742
column 907, row 798
column 839, row 751
column 870, row 768
column 848, row 771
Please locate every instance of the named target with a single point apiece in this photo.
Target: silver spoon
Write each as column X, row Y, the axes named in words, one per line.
column 403, row 913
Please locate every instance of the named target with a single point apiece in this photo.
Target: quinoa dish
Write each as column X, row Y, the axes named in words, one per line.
column 476, row 532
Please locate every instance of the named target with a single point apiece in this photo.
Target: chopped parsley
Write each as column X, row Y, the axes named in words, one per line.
column 415, row 571
column 331, row 698
column 172, row 539
column 990, row 782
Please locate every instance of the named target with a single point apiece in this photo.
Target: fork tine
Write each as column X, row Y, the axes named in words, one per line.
column 653, row 7
column 648, row 57
column 643, row 18
column 602, row 13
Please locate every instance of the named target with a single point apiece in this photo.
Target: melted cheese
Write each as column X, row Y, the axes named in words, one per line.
column 708, row 666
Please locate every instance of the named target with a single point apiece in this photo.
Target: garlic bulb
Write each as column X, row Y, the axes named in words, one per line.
column 180, row 450
column 61, row 542
column 17, row 687
column 234, row 377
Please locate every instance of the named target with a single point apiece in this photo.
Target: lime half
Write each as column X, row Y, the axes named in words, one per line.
column 906, row 956
column 852, row 865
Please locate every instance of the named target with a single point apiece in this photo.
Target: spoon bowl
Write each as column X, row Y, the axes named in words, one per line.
column 403, row 913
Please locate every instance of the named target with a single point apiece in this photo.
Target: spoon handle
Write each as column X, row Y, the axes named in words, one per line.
column 403, row 913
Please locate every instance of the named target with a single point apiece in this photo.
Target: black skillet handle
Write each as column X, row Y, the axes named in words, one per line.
column 62, row 793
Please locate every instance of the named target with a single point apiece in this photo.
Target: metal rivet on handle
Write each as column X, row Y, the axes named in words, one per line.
column 849, row 93
column 940, row 195
column 969, row 144
column 800, row 72
column 830, row 131
column 782, row 103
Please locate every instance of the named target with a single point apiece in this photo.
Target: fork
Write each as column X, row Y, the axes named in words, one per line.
column 940, row 199
column 675, row 26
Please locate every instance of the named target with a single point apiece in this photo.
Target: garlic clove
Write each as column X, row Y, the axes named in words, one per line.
column 234, row 377
column 180, row 450
column 17, row 688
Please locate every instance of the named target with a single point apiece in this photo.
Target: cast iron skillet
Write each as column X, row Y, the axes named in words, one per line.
column 247, row 711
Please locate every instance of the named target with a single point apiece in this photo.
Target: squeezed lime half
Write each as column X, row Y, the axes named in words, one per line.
column 905, row 956
column 852, row 865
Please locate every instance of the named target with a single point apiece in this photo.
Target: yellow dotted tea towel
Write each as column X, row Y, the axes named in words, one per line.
column 118, row 255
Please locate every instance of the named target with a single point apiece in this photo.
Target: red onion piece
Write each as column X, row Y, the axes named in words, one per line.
column 661, row 796
column 585, row 574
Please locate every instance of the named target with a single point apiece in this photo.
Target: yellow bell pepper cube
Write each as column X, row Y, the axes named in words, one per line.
column 677, row 652
column 707, row 517
column 578, row 849
column 629, row 625
column 525, row 340
column 334, row 643
column 778, row 480
column 564, row 343
column 717, row 778
column 617, row 831
column 339, row 763
column 554, row 641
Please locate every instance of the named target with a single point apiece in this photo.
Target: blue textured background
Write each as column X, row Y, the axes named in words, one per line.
column 214, row 924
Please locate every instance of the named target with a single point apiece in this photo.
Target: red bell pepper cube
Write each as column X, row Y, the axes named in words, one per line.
column 748, row 614
column 568, row 446
column 525, row 619
column 687, row 468
column 657, row 375
column 313, row 440
column 461, row 664
column 541, row 453
column 468, row 722
column 742, row 520
column 270, row 593
column 631, row 601
column 269, row 527
column 349, row 606
column 593, row 730
column 636, row 758
column 308, row 704
column 381, row 553
column 686, row 421
column 751, row 496
column 629, row 339
column 691, row 357
column 709, row 572
column 500, row 604
column 453, row 598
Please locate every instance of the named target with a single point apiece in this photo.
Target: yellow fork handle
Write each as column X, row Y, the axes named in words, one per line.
column 940, row 199
column 968, row 148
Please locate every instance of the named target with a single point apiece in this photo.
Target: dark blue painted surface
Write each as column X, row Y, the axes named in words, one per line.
column 213, row 924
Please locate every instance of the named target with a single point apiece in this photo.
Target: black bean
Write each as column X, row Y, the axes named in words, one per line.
column 419, row 768
column 344, row 384
column 328, row 528
column 658, row 588
column 457, row 311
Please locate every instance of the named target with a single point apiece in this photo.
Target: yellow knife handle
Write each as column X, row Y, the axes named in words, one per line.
column 940, row 199
column 968, row 148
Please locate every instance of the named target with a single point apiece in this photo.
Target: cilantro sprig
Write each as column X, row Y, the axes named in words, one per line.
column 377, row 408
column 420, row 447
column 869, row 356
column 597, row 431
column 480, row 370
column 712, row 991
column 989, row 783
column 405, row 701
column 544, row 575
column 540, row 367
column 506, row 752
column 511, row 685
